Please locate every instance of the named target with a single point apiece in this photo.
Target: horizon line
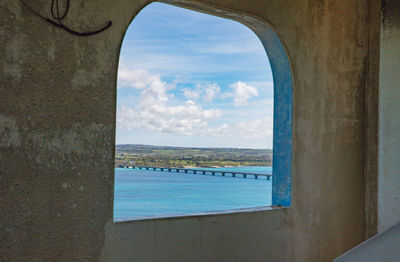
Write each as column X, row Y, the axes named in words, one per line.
column 197, row 146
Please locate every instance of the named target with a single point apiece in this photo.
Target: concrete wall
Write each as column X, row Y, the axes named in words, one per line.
column 389, row 117
column 247, row 236
column 382, row 247
column 57, row 125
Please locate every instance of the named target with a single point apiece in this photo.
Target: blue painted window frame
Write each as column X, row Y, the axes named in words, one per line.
column 283, row 108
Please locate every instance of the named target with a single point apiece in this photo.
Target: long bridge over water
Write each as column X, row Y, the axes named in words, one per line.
column 201, row 171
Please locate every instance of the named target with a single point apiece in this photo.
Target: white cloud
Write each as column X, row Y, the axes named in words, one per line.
column 134, row 78
column 242, row 93
column 208, row 92
column 223, row 130
column 153, row 113
column 257, row 128
column 211, row 92
column 182, row 78
column 192, row 93
column 155, row 93
column 186, row 119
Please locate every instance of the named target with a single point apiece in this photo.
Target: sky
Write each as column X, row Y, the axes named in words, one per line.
column 194, row 80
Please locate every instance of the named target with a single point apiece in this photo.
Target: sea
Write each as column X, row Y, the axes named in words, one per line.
column 139, row 194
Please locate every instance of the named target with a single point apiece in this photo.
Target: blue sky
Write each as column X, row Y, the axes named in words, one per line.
column 190, row 79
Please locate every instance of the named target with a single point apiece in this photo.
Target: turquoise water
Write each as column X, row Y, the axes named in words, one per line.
column 142, row 193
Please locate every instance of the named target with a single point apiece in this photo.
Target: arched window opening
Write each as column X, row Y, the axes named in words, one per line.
column 195, row 116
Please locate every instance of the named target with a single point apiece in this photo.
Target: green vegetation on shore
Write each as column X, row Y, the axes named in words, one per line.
column 164, row 156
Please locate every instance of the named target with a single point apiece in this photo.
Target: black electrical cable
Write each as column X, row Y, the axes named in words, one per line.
column 56, row 15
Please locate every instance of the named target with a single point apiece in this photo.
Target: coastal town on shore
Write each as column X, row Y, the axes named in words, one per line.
column 188, row 157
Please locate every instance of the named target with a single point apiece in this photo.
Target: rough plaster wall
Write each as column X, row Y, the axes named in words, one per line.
column 382, row 247
column 329, row 63
column 389, row 117
column 57, row 111
column 261, row 236
column 58, row 91
column 372, row 121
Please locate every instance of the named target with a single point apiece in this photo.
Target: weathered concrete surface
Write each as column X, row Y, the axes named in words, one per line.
column 371, row 122
column 245, row 236
column 57, row 108
column 57, row 125
column 389, row 118
column 382, row 247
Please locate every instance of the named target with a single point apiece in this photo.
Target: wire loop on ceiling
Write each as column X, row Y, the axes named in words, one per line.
column 58, row 16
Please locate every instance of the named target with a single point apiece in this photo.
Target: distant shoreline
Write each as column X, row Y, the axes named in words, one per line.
column 165, row 156
column 189, row 147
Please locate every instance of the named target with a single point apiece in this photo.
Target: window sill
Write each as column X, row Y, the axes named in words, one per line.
column 199, row 215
